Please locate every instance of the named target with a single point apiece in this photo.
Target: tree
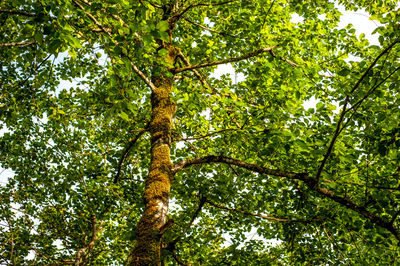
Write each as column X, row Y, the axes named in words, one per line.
column 126, row 149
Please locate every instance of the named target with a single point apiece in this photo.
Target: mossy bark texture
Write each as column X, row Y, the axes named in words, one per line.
column 158, row 182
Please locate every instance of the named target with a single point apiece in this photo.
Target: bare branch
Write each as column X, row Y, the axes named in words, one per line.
column 125, row 154
column 17, row 12
column 17, row 44
column 264, row 216
column 343, row 112
column 225, row 61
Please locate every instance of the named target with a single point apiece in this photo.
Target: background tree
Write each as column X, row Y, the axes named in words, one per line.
column 112, row 115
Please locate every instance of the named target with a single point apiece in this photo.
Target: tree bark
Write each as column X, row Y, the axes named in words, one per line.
column 159, row 179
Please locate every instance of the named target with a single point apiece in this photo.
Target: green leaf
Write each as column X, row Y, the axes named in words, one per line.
column 124, row 116
column 162, row 25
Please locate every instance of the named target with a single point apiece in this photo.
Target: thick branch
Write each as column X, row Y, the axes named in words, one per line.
column 17, row 44
column 252, row 167
column 125, row 154
column 343, row 112
column 225, row 61
column 17, row 12
column 311, row 183
column 264, row 216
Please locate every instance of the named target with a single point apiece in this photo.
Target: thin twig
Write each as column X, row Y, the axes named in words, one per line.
column 108, row 32
column 197, row 74
column 275, row 219
column 203, row 4
column 343, row 112
column 171, row 245
column 206, row 135
column 125, row 154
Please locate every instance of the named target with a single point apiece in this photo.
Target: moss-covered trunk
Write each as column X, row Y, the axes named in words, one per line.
column 158, row 182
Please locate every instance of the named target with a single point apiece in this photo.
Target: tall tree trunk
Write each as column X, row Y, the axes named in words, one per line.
column 158, row 181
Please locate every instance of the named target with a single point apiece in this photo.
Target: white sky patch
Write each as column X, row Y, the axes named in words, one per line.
column 361, row 23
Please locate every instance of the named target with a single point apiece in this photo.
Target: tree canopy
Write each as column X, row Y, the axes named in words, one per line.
column 126, row 149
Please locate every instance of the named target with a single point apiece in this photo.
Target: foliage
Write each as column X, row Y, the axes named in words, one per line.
column 259, row 179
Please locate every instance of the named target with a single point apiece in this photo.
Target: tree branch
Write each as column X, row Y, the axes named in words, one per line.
column 206, row 135
column 343, row 112
column 18, row 12
column 108, row 32
column 17, row 44
column 208, row 29
column 264, row 216
column 197, row 74
column 125, row 154
column 293, row 64
column 202, row 4
column 177, row 259
column 312, row 183
column 252, row 167
column 225, row 61
column 81, row 257
column 171, row 245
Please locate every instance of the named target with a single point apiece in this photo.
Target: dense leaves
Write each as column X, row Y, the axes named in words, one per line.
column 76, row 79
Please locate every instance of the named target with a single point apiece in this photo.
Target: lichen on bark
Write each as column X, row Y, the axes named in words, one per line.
column 158, row 181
